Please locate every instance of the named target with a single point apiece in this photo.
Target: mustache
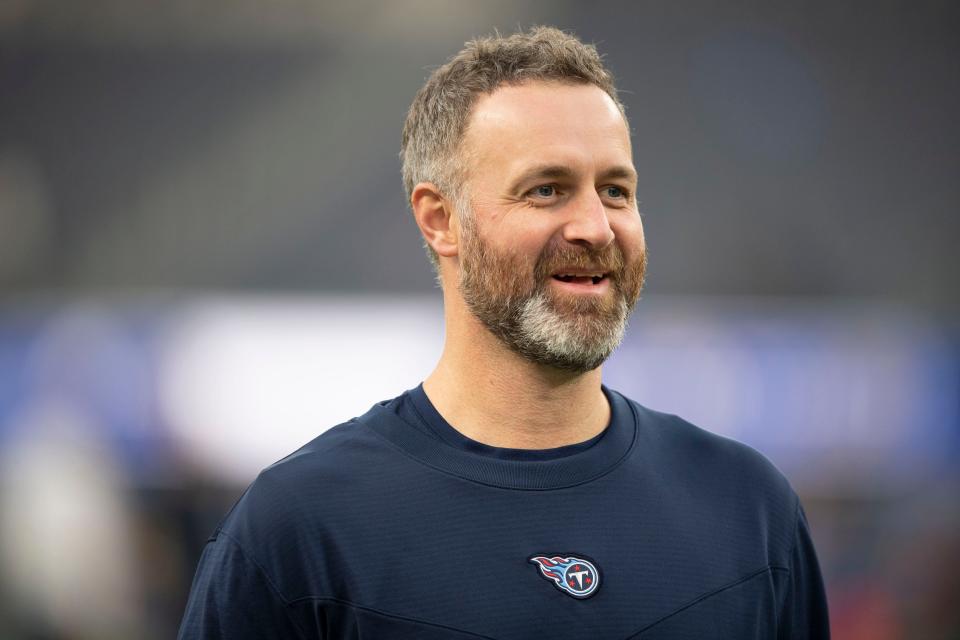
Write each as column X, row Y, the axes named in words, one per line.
column 608, row 260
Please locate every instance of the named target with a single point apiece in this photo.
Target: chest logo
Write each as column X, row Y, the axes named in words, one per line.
column 573, row 575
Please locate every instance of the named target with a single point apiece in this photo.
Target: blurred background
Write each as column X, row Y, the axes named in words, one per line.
column 206, row 260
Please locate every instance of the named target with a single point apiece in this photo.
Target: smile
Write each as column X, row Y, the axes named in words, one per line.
column 581, row 278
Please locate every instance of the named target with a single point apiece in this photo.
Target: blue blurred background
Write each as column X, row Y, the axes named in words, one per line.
column 206, row 260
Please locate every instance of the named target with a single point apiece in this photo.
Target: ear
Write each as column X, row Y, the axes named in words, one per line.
column 434, row 216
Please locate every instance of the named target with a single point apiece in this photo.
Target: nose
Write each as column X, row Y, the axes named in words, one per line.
column 588, row 223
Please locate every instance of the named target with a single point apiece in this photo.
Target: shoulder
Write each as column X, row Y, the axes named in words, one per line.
column 307, row 503
column 272, row 547
column 682, row 445
column 716, row 479
column 332, row 465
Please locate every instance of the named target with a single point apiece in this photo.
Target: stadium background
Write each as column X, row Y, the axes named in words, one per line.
column 205, row 260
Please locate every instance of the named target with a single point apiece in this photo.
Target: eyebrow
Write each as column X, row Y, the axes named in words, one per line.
column 559, row 172
column 619, row 172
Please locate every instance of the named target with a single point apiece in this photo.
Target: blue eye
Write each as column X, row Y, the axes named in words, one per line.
column 545, row 190
column 615, row 192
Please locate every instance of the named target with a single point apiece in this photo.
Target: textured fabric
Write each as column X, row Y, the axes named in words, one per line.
column 394, row 525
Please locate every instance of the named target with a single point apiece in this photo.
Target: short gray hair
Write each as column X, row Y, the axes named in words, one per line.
column 437, row 119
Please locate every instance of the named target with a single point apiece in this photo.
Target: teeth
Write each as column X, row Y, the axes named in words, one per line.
column 570, row 277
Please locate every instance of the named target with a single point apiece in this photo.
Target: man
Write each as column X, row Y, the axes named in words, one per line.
column 511, row 495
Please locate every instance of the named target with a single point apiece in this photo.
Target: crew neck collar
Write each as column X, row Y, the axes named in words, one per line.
column 445, row 431
column 412, row 423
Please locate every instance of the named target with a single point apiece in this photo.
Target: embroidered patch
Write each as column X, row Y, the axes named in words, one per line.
column 573, row 575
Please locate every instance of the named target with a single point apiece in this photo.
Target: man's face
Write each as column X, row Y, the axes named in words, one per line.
column 552, row 253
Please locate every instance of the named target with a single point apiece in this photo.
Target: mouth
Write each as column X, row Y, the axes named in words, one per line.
column 582, row 278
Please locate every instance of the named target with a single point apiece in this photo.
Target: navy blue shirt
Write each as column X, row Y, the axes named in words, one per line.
column 394, row 525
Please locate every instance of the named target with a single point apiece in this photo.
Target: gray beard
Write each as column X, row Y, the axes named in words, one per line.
column 510, row 296
column 533, row 328
column 577, row 339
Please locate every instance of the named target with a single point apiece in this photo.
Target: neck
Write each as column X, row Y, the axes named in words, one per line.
column 495, row 396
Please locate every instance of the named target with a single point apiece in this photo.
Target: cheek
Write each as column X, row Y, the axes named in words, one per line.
column 630, row 235
column 524, row 235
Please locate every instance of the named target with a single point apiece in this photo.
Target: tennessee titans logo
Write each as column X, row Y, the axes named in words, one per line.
column 574, row 576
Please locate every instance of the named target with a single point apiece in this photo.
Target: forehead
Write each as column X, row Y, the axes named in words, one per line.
column 570, row 124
